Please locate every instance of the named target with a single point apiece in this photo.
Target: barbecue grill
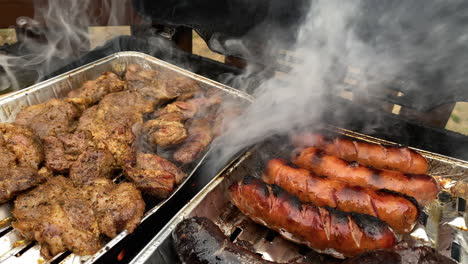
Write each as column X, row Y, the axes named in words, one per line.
column 390, row 127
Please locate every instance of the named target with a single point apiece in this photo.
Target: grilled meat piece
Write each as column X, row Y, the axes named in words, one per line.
column 93, row 163
column 50, row 118
column 111, row 122
column 64, row 149
column 160, row 87
column 188, row 109
column 402, row 255
column 95, row 90
column 14, row 180
column 154, row 175
column 63, row 217
column 199, row 240
column 165, row 131
column 57, row 216
column 20, row 156
column 19, row 147
column 117, row 207
column 168, row 128
column 200, row 136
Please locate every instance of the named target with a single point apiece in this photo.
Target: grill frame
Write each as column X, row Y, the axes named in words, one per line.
column 58, row 87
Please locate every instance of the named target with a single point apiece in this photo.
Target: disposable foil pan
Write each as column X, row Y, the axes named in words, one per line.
column 13, row 248
column 442, row 225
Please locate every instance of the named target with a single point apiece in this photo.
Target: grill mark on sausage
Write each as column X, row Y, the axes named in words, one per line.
column 317, row 158
column 407, row 197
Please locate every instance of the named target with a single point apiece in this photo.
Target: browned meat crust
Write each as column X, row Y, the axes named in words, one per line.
column 64, row 149
column 62, row 217
column 92, row 164
column 154, row 175
column 111, row 122
column 20, row 157
column 201, row 135
column 160, row 87
column 50, row 118
column 95, row 90
column 20, row 146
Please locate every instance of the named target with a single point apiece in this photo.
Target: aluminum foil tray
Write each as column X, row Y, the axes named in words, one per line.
column 13, row 248
column 442, row 225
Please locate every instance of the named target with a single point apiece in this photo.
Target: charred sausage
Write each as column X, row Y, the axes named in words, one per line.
column 420, row 186
column 370, row 154
column 199, row 240
column 323, row 229
column 400, row 212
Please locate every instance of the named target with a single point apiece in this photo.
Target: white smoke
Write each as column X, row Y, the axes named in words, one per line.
column 384, row 45
column 62, row 27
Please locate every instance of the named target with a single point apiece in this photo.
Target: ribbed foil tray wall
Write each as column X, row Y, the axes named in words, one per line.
column 13, row 249
column 442, row 227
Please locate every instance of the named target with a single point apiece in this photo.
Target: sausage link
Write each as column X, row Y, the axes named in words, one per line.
column 420, row 186
column 199, row 240
column 370, row 154
column 323, row 229
column 400, row 212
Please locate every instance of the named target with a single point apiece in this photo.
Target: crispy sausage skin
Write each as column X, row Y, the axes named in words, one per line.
column 199, row 240
column 370, row 154
column 399, row 212
column 323, row 229
column 420, row 186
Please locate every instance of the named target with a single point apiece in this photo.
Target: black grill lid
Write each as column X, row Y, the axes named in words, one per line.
column 431, row 32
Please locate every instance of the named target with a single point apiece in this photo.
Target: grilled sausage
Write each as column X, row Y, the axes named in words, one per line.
column 199, row 240
column 400, row 212
column 370, row 154
column 420, row 186
column 323, row 229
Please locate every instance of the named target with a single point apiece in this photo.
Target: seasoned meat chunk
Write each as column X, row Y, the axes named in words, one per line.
column 50, row 118
column 63, row 217
column 116, row 207
column 155, row 162
column 112, row 121
column 154, row 175
column 168, row 129
column 93, row 163
column 160, row 87
column 189, row 108
column 20, row 156
column 64, row 149
column 19, row 146
column 14, row 180
column 58, row 217
column 200, row 136
column 165, row 131
column 95, row 90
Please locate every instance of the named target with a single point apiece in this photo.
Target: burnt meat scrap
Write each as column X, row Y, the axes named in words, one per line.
column 20, row 157
column 63, row 217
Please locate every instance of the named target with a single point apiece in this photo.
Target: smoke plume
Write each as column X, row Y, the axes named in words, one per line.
column 415, row 40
